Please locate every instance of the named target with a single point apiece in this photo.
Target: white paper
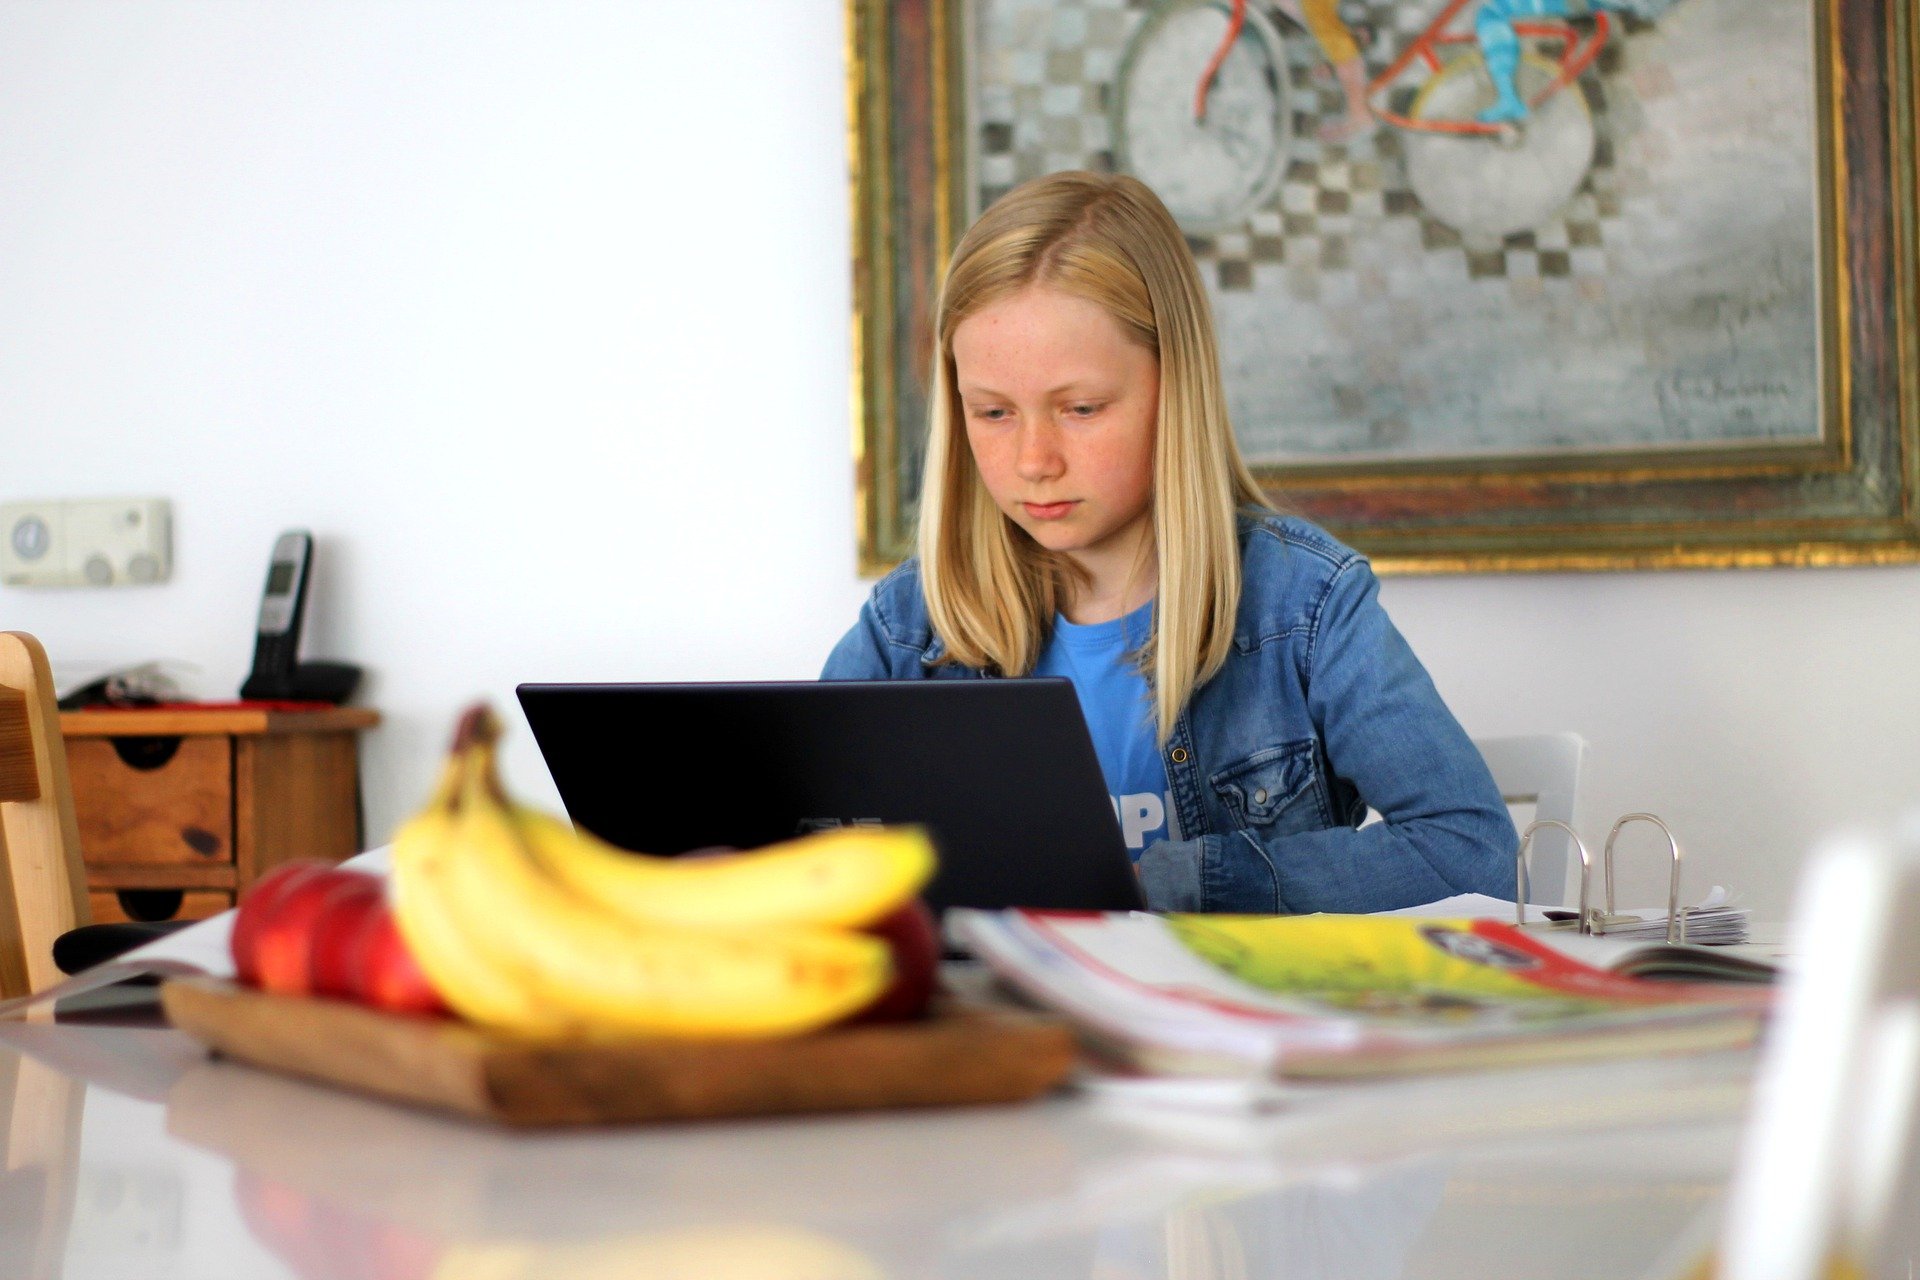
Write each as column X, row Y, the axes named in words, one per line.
column 1469, row 906
column 1479, row 906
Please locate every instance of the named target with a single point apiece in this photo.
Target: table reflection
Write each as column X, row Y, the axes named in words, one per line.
column 40, row 1116
column 125, row 1144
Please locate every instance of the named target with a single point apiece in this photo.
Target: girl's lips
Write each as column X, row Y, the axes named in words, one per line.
column 1047, row 510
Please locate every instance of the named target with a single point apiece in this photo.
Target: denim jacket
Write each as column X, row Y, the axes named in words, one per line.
column 1320, row 711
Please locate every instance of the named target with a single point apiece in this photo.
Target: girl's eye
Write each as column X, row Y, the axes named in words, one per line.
column 990, row 414
column 1084, row 410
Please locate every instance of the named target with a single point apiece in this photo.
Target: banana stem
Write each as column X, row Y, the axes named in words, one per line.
column 474, row 756
column 478, row 726
column 446, row 791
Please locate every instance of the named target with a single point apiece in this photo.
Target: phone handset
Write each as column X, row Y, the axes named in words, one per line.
column 283, row 608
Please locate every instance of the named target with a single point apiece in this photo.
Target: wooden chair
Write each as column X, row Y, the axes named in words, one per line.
column 42, row 881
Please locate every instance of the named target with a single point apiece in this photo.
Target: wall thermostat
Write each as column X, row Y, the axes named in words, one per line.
column 86, row 542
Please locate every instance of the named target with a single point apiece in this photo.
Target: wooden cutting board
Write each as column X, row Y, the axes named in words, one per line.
column 964, row 1054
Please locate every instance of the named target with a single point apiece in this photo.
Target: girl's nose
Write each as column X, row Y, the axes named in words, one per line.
column 1039, row 457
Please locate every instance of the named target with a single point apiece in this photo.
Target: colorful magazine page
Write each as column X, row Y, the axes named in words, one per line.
column 1338, row 995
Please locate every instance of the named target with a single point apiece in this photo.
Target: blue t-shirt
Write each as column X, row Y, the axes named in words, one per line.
column 1099, row 658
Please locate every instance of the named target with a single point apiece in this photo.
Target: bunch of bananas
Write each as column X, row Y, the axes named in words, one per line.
column 523, row 924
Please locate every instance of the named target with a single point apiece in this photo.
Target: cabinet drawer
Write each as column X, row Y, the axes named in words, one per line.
column 110, row 907
column 166, row 800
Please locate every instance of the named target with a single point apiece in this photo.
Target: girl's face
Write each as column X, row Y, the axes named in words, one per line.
column 1061, row 409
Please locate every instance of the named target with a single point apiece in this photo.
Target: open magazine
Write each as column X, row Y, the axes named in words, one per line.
column 1636, row 950
column 1715, row 921
column 1334, row 996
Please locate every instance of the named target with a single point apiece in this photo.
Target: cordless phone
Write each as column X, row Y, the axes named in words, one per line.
column 278, row 675
column 276, row 647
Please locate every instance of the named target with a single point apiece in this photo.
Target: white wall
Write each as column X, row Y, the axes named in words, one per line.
column 537, row 315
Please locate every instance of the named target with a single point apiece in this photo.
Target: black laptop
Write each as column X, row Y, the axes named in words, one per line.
column 1002, row 773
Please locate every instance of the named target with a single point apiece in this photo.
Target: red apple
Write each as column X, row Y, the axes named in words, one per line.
column 261, row 902
column 384, row 973
column 915, row 938
column 336, row 924
column 283, row 940
column 281, row 1218
column 405, row 1254
column 320, row 1238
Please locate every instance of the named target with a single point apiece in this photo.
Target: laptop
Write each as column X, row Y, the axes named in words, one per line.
column 1001, row 773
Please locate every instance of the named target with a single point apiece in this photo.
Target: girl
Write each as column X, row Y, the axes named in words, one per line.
column 1086, row 513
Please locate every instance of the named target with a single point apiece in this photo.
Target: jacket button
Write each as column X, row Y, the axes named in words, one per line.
column 1178, row 755
column 1260, row 796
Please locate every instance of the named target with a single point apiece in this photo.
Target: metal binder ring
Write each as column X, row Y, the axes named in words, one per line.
column 1520, row 871
column 1676, row 918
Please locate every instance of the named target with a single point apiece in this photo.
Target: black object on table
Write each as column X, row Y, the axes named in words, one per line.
column 92, row 944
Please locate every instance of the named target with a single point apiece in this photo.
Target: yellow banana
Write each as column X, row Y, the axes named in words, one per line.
column 721, row 1251
column 608, row 975
column 467, row 978
column 840, row 879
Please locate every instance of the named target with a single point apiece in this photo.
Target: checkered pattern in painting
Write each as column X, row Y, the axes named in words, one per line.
column 1344, row 225
column 1046, row 87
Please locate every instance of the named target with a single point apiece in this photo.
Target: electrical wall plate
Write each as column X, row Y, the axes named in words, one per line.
column 86, row 542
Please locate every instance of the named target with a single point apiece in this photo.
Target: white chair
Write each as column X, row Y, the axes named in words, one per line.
column 1828, row 1179
column 1542, row 770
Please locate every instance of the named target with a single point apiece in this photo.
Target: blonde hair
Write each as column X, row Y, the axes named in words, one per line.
column 991, row 590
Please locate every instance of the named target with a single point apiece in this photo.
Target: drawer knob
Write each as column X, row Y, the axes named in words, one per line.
column 201, row 841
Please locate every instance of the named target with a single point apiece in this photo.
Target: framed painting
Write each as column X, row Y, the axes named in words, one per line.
column 1500, row 284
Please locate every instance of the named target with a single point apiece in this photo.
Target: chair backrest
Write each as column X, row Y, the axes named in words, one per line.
column 1542, row 770
column 1829, row 1173
column 42, row 881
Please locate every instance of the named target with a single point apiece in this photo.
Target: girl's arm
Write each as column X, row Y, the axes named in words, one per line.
column 1388, row 733
column 1390, row 737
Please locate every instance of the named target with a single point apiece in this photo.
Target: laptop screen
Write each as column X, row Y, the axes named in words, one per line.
column 1002, row 773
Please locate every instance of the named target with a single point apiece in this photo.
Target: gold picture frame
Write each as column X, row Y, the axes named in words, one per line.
column 1847, row 494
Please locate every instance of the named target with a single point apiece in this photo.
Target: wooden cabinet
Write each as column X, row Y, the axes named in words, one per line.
column 182, row 808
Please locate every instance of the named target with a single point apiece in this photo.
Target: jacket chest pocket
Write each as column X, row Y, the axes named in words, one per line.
column 1272, row 789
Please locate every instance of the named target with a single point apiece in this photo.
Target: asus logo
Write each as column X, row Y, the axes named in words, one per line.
column 808, row 826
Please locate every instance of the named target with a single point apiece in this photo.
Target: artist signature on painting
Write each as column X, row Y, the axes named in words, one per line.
column 1702, row 389
column 1719, row 405
column 1711, row 402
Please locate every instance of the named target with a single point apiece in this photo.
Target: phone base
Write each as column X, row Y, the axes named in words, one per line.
column 332, row 682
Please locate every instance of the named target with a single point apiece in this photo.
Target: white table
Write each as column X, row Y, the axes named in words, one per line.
column 129, row 1154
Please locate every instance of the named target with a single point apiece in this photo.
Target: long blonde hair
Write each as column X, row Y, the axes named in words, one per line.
column 991, row 590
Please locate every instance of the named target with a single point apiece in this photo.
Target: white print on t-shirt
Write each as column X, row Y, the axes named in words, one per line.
column 1139, row 813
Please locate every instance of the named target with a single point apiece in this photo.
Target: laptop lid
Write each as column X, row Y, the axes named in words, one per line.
column 1002, row 773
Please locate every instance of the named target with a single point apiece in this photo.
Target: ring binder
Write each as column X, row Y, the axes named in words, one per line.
column 1676, row 918
column 1520, row 878
column 1588, row 921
